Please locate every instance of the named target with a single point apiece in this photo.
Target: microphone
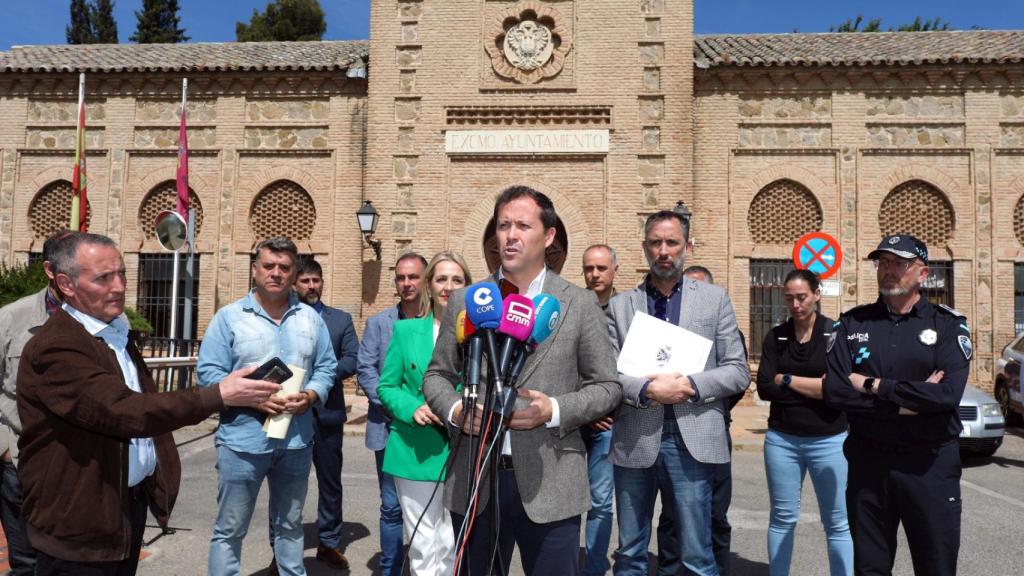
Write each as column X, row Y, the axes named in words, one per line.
column 547, row 310
column 483, row 309
column 517, row 319
column 460, row 328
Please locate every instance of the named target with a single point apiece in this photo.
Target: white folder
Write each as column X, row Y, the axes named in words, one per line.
column 654, row 346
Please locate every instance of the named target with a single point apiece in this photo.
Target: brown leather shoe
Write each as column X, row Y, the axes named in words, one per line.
column 331, row 557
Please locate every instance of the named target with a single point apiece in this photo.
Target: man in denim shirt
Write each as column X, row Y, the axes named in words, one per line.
column 270, row 321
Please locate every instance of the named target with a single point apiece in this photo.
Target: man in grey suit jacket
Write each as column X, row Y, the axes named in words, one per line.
column 670, row 429
column 567, row 382
column 409, row 271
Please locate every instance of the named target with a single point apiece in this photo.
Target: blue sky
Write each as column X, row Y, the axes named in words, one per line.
column 44, row 21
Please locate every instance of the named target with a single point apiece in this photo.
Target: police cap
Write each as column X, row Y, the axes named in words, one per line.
column 902, row 245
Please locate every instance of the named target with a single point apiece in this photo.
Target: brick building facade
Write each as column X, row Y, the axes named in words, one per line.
column 613, row 108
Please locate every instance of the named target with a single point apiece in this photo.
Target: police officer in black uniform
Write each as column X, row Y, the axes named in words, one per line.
column 898, row 368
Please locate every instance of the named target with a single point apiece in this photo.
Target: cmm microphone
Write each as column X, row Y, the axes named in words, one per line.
column 546, row 312
column 517, row 325
column 517, row 319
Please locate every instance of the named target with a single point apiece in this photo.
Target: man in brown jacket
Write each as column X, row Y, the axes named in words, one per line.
column 96, row 449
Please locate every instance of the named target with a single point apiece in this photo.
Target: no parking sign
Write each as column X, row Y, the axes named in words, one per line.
column 818, row 252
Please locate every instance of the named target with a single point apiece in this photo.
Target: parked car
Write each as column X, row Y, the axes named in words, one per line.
column 982, row 421
column 1007, row 384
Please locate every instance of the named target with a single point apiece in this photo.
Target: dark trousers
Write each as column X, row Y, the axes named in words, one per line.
column 47, row 565
column 327, row 459
column 921, row 489
column 550, row 549
column 721, row 530
column 19, row 552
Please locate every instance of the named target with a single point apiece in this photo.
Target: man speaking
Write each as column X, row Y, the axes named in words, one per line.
column 568, row 381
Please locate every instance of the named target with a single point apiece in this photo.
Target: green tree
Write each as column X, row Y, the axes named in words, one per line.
column 875, row 25
column 20, row 280
column 80, row 31
column 158, row 23
column 104, row 26
column 851, row 25
column 284, row 20
column 927, row 26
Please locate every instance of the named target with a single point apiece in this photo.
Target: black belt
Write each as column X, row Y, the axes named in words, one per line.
column 505, row 462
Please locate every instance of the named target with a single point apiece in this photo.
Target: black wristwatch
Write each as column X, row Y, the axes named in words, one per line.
column 869, row 385
column 787, row 379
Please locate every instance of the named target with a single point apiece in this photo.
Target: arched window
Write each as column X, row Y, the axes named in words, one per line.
column 50, row 210
column 782, row 212
column 283, row 208
column 164, row 196
column 916, row 207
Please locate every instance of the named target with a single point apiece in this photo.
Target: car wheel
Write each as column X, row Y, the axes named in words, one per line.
column 1003, row 397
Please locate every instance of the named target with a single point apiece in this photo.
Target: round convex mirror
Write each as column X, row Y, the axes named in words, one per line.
column 170, row 230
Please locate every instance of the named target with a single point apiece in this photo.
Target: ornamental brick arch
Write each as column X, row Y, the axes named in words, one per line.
column 918, row 208
column 1017, row 186
column 932, row 214
column 50, row 210
column 782, row 212
column 805, row 191
column 266, row 198
column 29, row 228
column 140, row 229
column 283, row 208
column 571, row 235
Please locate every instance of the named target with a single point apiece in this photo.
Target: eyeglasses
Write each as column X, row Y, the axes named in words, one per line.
column 898, row 264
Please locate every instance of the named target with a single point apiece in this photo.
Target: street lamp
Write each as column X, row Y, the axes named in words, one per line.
column 367, row 217
column 684, row 212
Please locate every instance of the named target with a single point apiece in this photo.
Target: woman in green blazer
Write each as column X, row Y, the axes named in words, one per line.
column 418, row 444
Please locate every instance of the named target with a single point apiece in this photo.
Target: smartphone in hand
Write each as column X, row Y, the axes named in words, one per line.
column 273, row 370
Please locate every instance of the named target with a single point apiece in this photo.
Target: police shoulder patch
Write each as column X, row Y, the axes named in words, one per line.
column 965, row 346
column 951, row 310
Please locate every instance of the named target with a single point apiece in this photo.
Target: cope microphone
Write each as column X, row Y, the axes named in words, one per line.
column 546, row 312
column 483, row 309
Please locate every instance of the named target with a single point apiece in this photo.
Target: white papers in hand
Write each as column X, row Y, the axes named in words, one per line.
column 277, row 426
column 654, row 346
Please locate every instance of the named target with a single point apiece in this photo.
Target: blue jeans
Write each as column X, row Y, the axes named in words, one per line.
column 786, row 460
column 599, row 518
column 721, row 530
column 21, row 556
column 391, row 548
column 685, row 487
column 327, row 461
column 241, row 475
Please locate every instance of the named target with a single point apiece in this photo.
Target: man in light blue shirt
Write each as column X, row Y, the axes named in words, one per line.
column 268, row 322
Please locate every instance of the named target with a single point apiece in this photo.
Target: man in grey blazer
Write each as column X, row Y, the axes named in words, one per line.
column 409, row 271
column 567, row 382
column 670, row 428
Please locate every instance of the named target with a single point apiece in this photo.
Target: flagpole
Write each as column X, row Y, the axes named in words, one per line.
column 177, row 254
column 76, row 201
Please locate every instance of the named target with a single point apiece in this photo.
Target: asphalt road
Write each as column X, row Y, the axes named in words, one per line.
column 993, row 520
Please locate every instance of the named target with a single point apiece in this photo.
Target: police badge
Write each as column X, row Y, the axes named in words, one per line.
column 965, row 346
column 928, row 337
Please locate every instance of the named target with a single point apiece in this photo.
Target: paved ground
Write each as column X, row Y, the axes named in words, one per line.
column 993, row 494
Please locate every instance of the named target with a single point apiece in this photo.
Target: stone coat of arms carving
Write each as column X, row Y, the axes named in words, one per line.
column 528, row 45
column 528, row 42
